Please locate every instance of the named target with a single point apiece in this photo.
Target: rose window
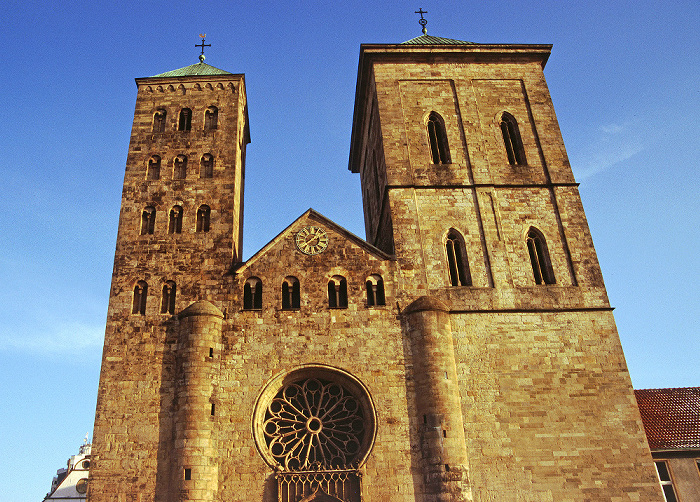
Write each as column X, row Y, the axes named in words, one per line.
column 314, row 424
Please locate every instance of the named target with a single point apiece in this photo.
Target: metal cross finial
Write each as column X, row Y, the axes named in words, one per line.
column 423, row 21
column 203, row 36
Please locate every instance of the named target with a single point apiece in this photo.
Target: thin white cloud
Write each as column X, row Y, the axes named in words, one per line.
column 64, row 338
column 613, row 144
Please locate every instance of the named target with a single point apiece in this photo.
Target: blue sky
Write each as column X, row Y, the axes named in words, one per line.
column 624, row 77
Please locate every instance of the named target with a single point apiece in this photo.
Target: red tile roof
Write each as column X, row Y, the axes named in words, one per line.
column 671, row 417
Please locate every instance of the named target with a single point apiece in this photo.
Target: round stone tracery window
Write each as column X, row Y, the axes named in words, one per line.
column 316, row 419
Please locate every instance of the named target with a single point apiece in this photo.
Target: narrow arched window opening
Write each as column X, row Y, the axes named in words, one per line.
column 203, row 216
column 153, row 171
column 140, row 294
column 180, row 167
column 458, row 264
column 291, row 297
column 539, row 257
column 159, row 120
column 206, row 168
column 337, row 292
column 512, row 141
column 252, row 294
column 437, row 138
column 185, row 122
column 374, row 286
column 211, row 118
column 148, row 220
column 175, row 220
column 167, row 303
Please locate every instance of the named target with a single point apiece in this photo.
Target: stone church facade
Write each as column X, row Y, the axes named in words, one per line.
column 465, row 350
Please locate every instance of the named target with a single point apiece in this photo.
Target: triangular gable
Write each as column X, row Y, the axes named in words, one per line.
column 319, row 219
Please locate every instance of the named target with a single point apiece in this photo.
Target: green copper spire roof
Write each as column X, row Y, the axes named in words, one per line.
column 200, row 68
column 426, row 39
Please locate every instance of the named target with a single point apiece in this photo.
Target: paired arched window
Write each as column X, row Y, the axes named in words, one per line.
column 457, row 262
column 167, row 303
column 206, row 167
column 148, row 220
column 512, row 140
column 180, row 167
column 291, row 295
column 153, row 170
column 252, row 294
column 185, row 121
column 211, row 118
column 338, row 292
column 437, row 138
column 175, row 220
column 140, row 294
column 375, row 290
column 159, row 120
column 539, row 257
column 203, row 216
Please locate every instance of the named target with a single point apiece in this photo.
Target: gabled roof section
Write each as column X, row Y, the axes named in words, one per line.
column 317, row 218
column 671, row 417
column 431, row 40
column 200, row 68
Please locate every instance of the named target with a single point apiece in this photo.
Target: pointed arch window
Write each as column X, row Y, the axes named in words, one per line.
column 338, row 292
column 539, row 257
column 175, row 220
column 512, row 140
column 148, row 220
column 159, row 120
column 185, row 121
column 206, row 168
column 375, row 290
column 167, row 303
column 437, row 138
column 203, row 217
column 180, row 167
column 457, row 261
column 252, row 294
column 140, row 294
column 291, row 297
column 211, row 118
column 153, row 171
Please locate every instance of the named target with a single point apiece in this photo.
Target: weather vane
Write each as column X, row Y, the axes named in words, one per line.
column 423, row 21
column 203, row 36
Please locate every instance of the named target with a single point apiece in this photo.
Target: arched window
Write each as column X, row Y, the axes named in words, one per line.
column 457, row 259
column 203, row 215
column 512, row 141
column 375, row 290
column 153, row 171
column 175, row 220
column 211, row 118
column 337, row 292
column 437, row 137
column 291, row 297
column 180, row 167
column 148, row 220
column 167, row 303
column 140, row 294
column 252, row 294
column 206, row 168
column 185, row 122
column 539, row 257
column 159, row 120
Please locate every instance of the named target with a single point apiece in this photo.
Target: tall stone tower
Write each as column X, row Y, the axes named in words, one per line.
column 465, row 351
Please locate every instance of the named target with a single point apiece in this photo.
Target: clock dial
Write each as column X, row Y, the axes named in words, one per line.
column 311, row 240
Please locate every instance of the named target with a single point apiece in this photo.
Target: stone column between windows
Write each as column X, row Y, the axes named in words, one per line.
column 194, row 465
column 438, row 405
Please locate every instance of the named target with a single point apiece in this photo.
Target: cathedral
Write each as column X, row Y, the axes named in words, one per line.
column 465, row 350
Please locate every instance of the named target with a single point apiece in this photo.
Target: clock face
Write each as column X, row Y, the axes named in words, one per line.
column 311, row 240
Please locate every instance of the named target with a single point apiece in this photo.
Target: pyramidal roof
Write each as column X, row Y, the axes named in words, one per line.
column 431, row 40
column 200, row 68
